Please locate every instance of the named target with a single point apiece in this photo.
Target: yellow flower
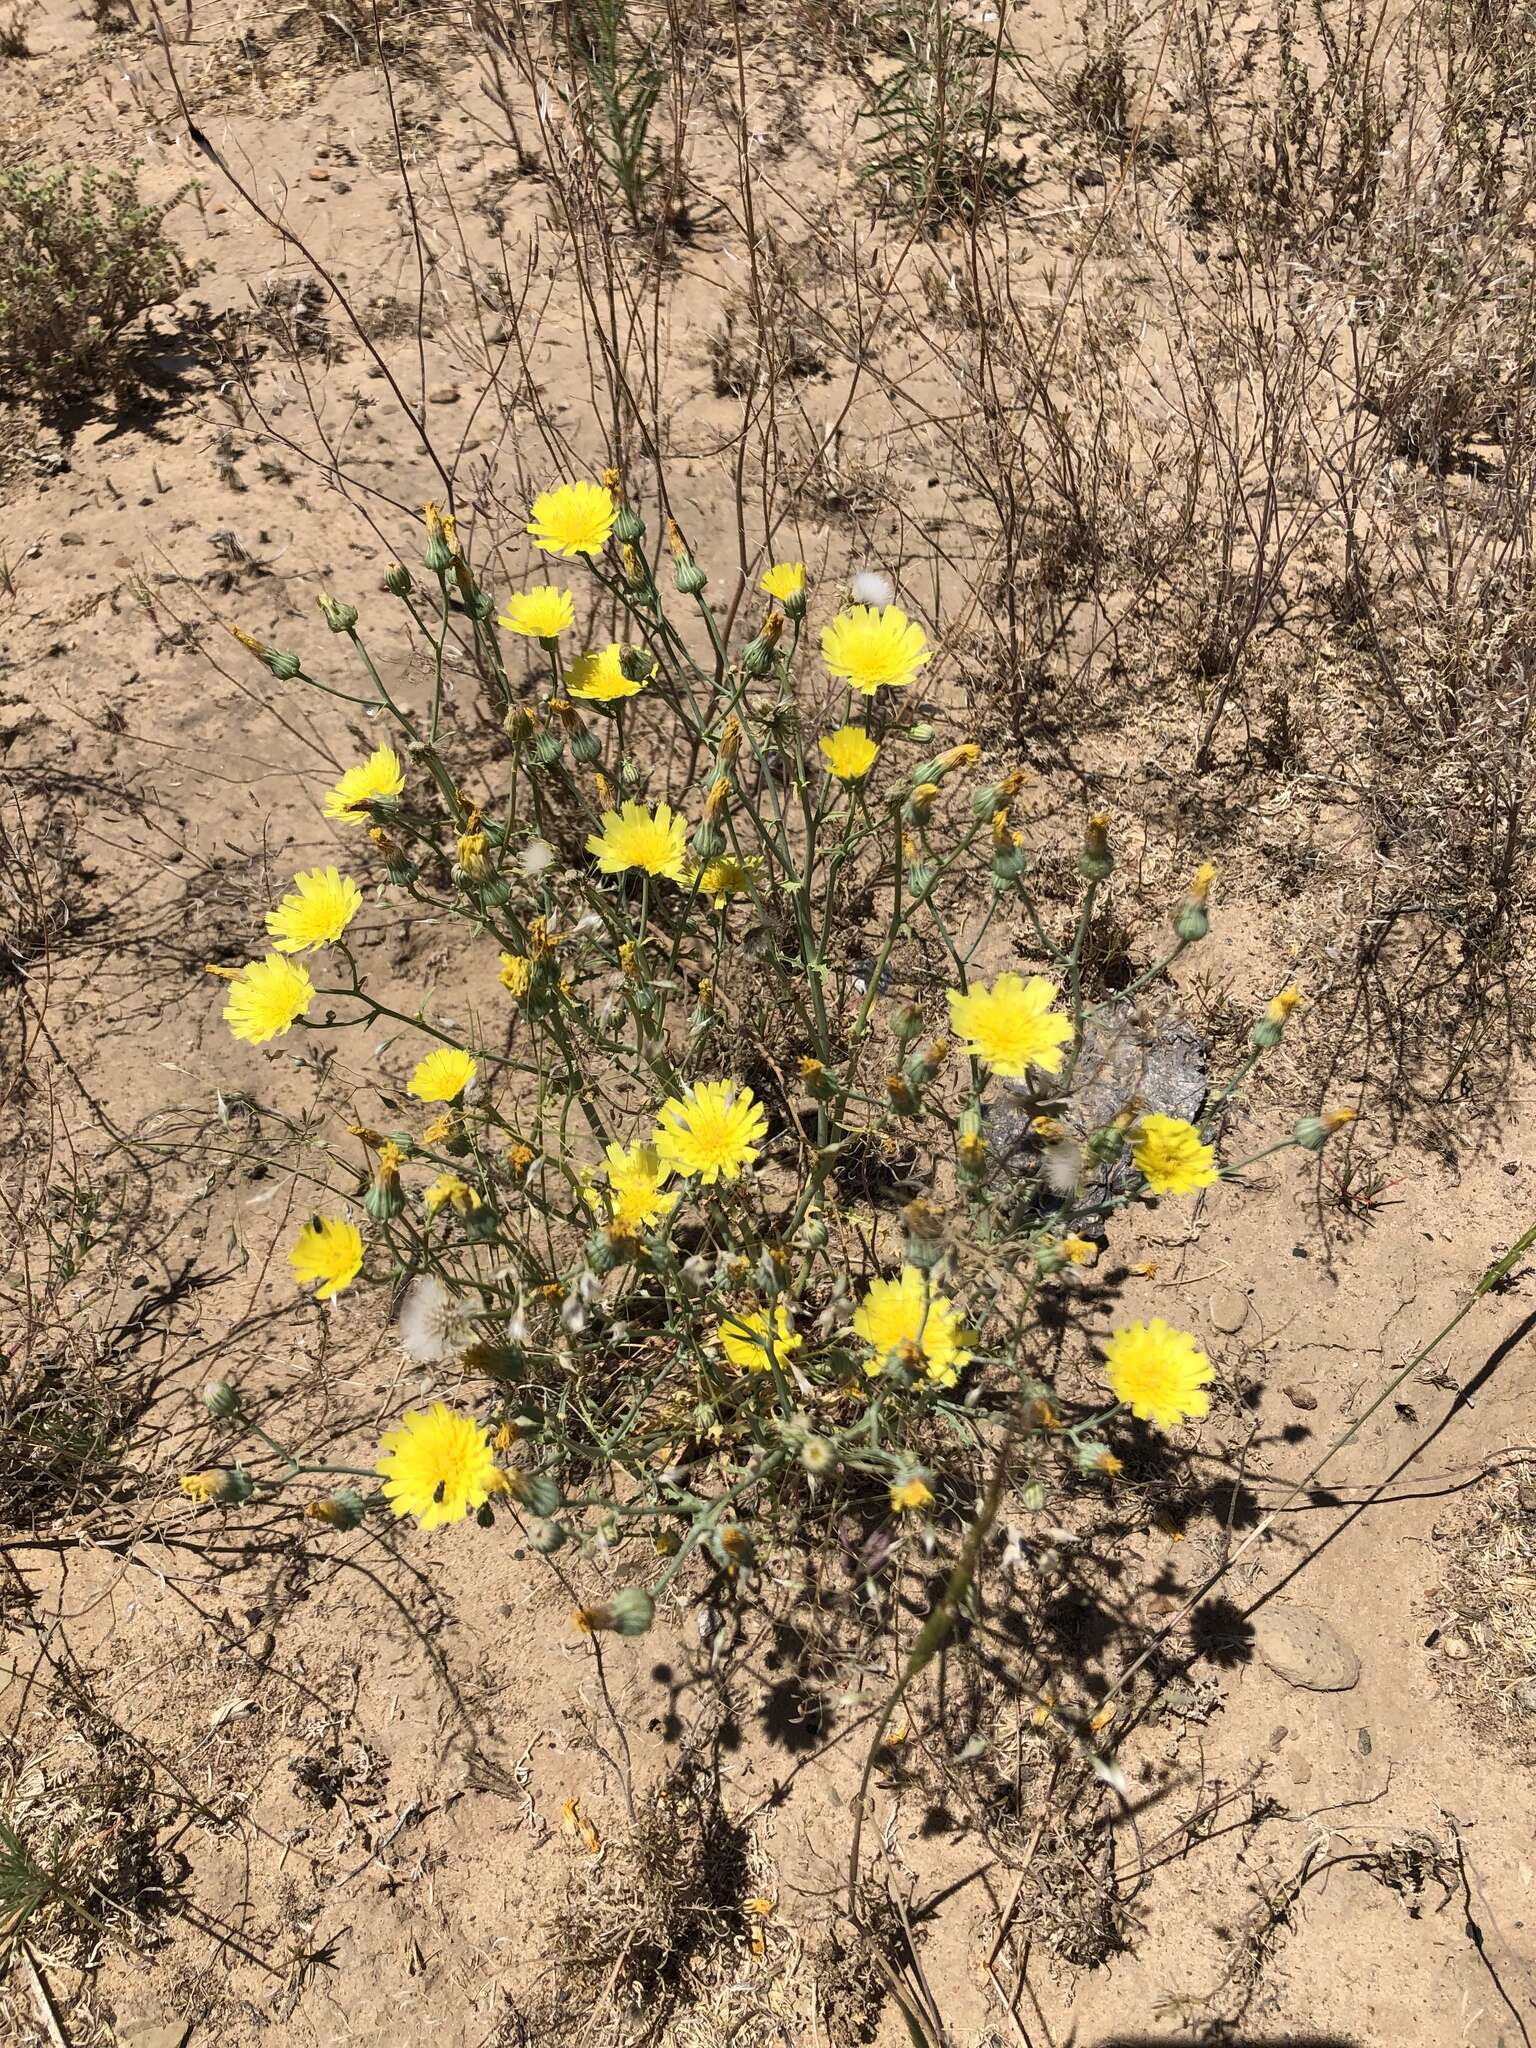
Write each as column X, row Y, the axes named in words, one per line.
column 438, row 1466
column 266, row 997
column 911, row 1492
column 315, row 912
column 873, row 649
column 1012, row 1025
column 636, row 1180
column 442, row 1076
column 634, row 838
column 1170, row 1156
column 449, row 1187
column 516, row 975
column 543, row 613
column 727, row 876
column 381, row 775
column 897, row 1314
column 328, row 1250
column 573, row 519
column 849, row 752
column 1078, row 1251
column 599, row 678
column 1279, row 1008
column 784, row 580
column 1158, row 1372
column 711, row 1131
column 744, row 1339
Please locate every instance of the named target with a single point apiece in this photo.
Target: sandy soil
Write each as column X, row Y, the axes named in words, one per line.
column 368, row 1747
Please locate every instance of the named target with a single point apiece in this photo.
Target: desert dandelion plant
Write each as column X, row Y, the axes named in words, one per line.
column 655, row 842
column 601, row 677
column 849, row 752
column 872, row 650
column 315, row 912
column 903, row 1320
column 380, row 778
column 543, row 613
column 443, row 1075
column 439, row 1466
column 1159, row 1373
column 328, row 1255
column 1011, row 1025
column 266, row 998
column 1171, row 1156
column 573, row 519
column 711, row 1131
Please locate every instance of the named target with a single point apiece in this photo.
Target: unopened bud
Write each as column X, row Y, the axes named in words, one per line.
column 341, row 618
column 1269, row 1029
column 344, row 1510
column 629, row 527
column 221, row 1400
column 1096, row 863
column 1313, row 1132
column 629, row 1612
column 397, row 580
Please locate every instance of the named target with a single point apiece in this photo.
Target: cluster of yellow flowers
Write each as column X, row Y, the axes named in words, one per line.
column 741, row 1287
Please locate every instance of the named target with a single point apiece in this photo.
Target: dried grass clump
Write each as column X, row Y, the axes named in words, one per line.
column 648, row 1924
column 1487, row 1607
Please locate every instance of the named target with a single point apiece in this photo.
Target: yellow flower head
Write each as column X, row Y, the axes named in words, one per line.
column 728, row 875
column 636, row 838
column 1170, row 1156
column 637, row 1178
column 1279, row 1008
column 1078, row 1251
column 784, row 580
column 266, row 997
column 744, row 1339
column 573, row 519
column 1012, row 1025
column 1159, row 1372
column 912, row 1492
column 1200, row 887
column 315, row 912
column 543, row 613
column 442, row 1076
column 381, row 775
column 710, row 1131
column 438, row 1466
column 516, row 975
column 849, row 752
column 872, row 649
column 600, row 679
column 450, row 1189
column 327, row 1250
column 901, row 1313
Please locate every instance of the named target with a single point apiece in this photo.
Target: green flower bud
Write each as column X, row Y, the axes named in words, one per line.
column 341, row 618
column 547, row 748
column 629, row 527
column 1033, row 1496
column 921, row 877
column 284, row 666
column 629, row 1612
column 757, row 656
column 437, row 556
column 1313, row 1132
column 586, row 747
column 1096, row 862
column 343, row 1511
column 922, row 734
column 535, row 1491
column 546, row 1536
column 397, row 580
column 689, row 577
column 708, row 841
column 1193, row 923
column 221, row 1400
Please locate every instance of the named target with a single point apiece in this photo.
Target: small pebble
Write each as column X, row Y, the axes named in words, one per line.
column 1364, row 1741
column 443, row 394
column 1525, row 1695
column 1457, row 1648
column 1229, row 1310
column 1278, row 1735
column 1300, row 1397
column 319, row 174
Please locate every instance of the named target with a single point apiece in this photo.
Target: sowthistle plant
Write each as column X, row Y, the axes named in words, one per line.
column 694, row 1331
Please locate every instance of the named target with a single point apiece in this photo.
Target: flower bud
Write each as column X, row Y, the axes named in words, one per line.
column 397, row 580
column 629, row 1612
column 921, row 877
column 535, row 1491
column 473, row 862
column 1033, row 1496
column 906, row 1022
column 629, row 527
column 344, row 1510
column 817, row 1457
column 812, row 1234
column 520, row 725
column 1096, row 863
column 586, row 747
column 1092, row 1456
column 547, row 748
column 1193, row 921
column 689, row 577
column 708, row 840
column 899, row 1093
column 918, row 808
column 546, row 1536
column 341, row 618
column 226, row 1487
column 385, row 1197
column 284, row 666
column 1270, row 1028
column 730, row 745
column 221, row 1400
column 1313, row 1132
column 757, row 655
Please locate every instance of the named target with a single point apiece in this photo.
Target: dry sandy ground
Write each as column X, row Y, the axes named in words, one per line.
column 372, row 1745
